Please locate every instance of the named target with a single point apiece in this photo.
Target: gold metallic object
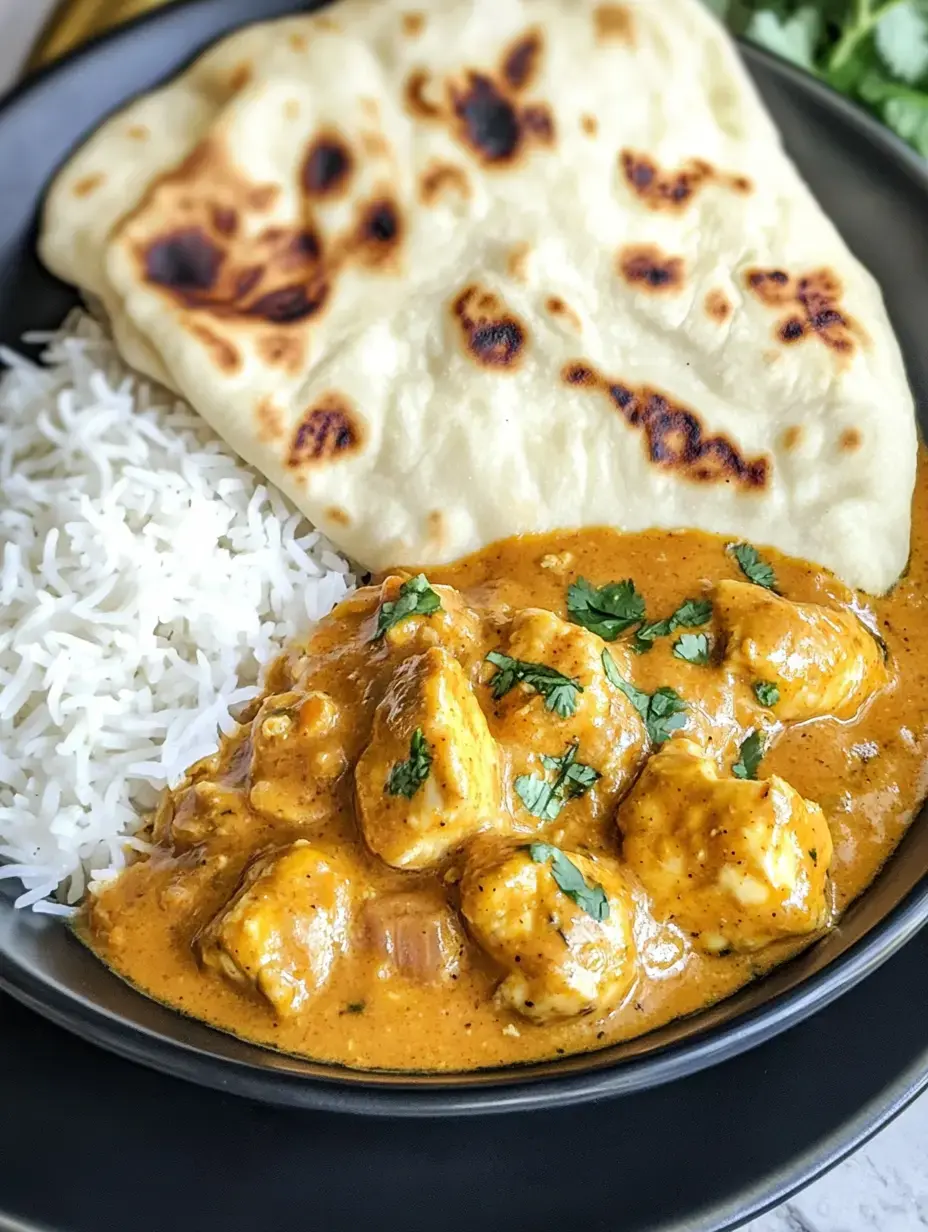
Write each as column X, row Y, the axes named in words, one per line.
column 75, row 21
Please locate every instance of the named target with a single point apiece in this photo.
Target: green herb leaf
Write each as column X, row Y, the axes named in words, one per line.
column 692, row 648
column 902, row 108
column 589, row 898
column 813, row 854
column 407, row 777
column 416, row 598
column 766, row 693
column 902, row 41
column 662, row 711
column 545, row 799
column 753, row 566
column 608, row 610
column 795, row 38
column 559, row 691
column 752, row 752
column 692, row 614
column 689, row 615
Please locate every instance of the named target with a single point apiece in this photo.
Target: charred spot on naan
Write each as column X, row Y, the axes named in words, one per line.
column 413, row 24
column 520, row 62
column 327, row 167
column 88, row 185
column 674, row 190
column 589, row 124
column 813, row 304
column 850, row 440
column 224, row 353
column 440, row 179
column 270, row 420
column 379, row 232
column 674, row 436
column 241, row 77
column 563, row 312
column 645, row 266
column 338, row 516
column 792, row 437
column 283, row 350
column 718, row 306
column 613, row 23
column 210, row 261
column 484, row 109
column 328, row 432
column 492, row 335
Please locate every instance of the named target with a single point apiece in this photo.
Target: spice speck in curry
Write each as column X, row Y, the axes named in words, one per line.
column 533, row 803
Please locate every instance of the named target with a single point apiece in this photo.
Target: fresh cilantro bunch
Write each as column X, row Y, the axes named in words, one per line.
column 874, row 51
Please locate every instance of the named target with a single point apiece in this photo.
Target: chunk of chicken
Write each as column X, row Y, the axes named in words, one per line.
column 353, row 627
column 417, row 935
column 562, row 960
column 610, row 734
column 285, row 928
column 736, row 863
column 822, row 660
column 430, row 776
column 298, row 756
column 198, row 811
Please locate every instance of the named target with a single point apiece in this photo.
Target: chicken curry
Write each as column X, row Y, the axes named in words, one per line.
column 542, row 800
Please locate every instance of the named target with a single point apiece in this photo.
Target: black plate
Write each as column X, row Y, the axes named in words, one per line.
column 878, row 193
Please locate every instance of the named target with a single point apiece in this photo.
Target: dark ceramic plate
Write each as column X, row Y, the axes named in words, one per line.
column 878, row 194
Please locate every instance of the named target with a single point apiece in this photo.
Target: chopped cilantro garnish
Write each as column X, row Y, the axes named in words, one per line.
column 559, row 691
column 589, row 898
column 407, row 777
column 608, row 610
column 572, row 778
column 416, row 598
column 662, row 711
column 766, row 693
column 751, row 754
column 692, row 648
column 689, row 615
column 753, row 566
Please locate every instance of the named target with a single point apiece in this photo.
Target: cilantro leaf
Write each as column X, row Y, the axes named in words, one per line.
column 692, row 614
column 902, row 108
column 751, row 755
column 766, row 693
column 753, row 566
column 901, row 38
column 692, row 648
column 608, row 611
column 416, row 598
column 662, row 711
column 795, row 37
column 589, row 898
column 572, row 778
column 407, row 777
column 559, row 691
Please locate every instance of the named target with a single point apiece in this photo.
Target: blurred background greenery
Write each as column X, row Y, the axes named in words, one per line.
column 875, row 51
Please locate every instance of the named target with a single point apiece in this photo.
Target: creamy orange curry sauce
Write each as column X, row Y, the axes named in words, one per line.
column 540, row 811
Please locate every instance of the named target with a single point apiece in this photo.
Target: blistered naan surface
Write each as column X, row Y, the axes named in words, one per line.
column 456, row 271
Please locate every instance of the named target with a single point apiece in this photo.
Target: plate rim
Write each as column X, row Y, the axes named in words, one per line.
column 352, row 1091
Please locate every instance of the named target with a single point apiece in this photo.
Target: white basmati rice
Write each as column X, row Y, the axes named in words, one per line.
column 146, row 574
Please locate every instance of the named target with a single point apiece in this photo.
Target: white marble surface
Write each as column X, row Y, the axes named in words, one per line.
column 884, row 1187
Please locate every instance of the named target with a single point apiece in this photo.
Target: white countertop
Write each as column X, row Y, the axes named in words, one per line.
column 884, row 1187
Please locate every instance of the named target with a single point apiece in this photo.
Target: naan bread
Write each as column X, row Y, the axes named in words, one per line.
column 456, row 271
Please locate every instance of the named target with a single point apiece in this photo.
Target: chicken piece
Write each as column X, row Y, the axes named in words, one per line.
column 285, row 927
column 607, row 728
column 562, row 960
column 352, row 629
column 736, row 863
column 199, row 811
column 417, row 936
column 298, row 756
column 430, row 776
column 823, row 660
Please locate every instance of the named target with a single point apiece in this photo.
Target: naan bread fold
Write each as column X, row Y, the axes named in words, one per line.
column 464, row 270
